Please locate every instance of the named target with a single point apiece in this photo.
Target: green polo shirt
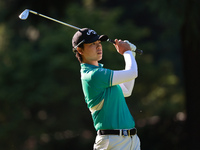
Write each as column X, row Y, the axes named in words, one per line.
column 97, row 86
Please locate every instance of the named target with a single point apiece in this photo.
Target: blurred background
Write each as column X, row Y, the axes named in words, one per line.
column 42, row 106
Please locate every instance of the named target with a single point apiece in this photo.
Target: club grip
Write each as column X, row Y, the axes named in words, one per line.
column 138, row 51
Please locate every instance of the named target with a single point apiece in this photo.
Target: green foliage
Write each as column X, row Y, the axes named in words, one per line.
column 40, row 91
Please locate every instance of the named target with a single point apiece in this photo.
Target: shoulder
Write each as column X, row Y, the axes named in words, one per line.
column 100, row 72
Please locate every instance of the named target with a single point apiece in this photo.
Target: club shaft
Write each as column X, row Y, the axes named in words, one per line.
column 138, row 51
column 66, row 24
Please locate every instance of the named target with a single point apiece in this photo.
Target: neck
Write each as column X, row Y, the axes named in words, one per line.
column 95, row 63
column 91, row 62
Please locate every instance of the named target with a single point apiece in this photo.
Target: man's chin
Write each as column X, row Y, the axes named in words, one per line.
column 100, row 59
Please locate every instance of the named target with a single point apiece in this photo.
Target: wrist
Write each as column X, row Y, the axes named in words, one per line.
column 130, row 53
column 127, row 52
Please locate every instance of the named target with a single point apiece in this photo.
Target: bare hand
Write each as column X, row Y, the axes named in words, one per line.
column 121, row 46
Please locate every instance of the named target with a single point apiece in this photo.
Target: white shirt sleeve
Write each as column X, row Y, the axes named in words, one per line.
column 126, row 78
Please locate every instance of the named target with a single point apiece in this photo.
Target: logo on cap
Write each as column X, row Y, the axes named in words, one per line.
column 91, row 31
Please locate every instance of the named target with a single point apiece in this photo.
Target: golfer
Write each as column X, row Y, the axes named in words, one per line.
column 105, row 91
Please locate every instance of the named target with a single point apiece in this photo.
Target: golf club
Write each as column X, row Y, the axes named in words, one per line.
column 24, row 15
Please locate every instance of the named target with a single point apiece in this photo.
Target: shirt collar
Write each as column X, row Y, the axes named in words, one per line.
column 84, row 65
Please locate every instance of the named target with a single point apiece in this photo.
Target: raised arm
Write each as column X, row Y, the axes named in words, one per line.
column 126, row 78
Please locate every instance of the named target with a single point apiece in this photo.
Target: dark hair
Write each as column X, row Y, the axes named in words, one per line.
column 77, row 54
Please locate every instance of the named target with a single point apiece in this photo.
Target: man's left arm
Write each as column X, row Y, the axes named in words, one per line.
column 127, row 87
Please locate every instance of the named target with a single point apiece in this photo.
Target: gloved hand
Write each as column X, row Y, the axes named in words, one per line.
column 133, row 47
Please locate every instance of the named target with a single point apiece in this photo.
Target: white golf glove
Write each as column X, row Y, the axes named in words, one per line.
column 133, row 47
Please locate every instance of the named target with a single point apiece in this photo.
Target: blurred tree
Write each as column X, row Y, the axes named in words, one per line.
column 41, row 100
column 191, row 64
column 42, row 105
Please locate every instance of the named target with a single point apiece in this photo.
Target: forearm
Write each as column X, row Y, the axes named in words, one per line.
column 127, row 89
column 130, row 72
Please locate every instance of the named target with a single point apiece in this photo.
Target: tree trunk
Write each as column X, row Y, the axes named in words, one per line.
column 191, row 67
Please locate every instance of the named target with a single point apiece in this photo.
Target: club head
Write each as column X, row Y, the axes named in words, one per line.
column 24, row 14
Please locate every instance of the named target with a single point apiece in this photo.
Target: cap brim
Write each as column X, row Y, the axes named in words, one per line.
column 93, row 39
column 103, row 38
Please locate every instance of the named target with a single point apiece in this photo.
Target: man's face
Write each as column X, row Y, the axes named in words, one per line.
column 92, row 52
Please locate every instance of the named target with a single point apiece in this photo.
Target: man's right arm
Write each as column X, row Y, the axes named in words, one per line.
column 129, row 73
column 126, row 78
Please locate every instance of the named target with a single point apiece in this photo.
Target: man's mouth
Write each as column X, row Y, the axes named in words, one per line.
column 99, row 52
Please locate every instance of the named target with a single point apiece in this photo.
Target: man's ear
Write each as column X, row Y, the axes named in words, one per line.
column 80, row 50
